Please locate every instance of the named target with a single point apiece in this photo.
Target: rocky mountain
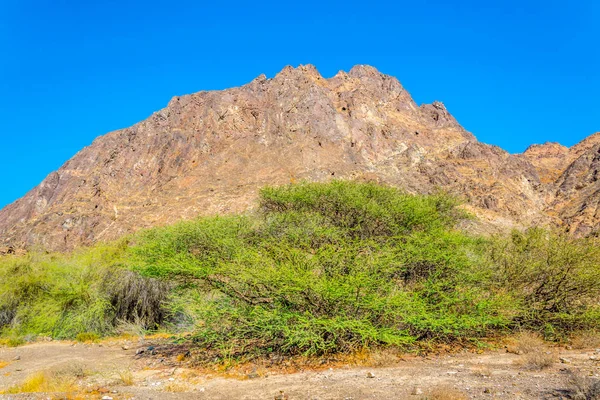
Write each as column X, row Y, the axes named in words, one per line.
column 211, row 151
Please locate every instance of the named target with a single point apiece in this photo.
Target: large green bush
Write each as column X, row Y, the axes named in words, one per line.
column 326, row 267
column 316, row 269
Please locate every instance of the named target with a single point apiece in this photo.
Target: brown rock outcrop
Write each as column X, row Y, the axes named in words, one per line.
column 210, row 152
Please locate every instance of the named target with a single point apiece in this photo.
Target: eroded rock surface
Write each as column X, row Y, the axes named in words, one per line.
column 210, row 152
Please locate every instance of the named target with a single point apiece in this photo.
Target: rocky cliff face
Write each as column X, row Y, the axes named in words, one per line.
column 210, row 152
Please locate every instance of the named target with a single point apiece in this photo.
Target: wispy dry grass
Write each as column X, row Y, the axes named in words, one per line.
column 46, row 382
column 539, row 361
column 445, row 393
column 535, row 353
column 176, row 387
column 528, row 342
column 126, row 377
column 585, row 340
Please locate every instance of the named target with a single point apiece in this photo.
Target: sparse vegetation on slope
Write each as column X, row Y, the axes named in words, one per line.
column 85, row 294
column 319, row 268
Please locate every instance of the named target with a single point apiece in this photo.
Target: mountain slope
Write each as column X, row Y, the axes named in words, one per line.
column 210, row 152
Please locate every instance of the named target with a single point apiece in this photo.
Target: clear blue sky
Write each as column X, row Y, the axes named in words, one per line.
column 512, row 72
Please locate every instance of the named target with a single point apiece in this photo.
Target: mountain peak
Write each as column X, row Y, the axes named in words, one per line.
column 360, row 71
column 302, row 70
column 211, row 152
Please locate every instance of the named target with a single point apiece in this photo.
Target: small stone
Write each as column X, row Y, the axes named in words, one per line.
column 139, row 351
column 417, row 391
column 282, row 396
column 17, row 358
column 565, row 360
column 593, row 358
column 125, row 347
column 107, row 398
column 370, row 375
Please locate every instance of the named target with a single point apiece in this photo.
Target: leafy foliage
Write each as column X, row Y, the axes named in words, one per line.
column 325, row 268
column 319, row 268
column 554, row 278
column 65, row 295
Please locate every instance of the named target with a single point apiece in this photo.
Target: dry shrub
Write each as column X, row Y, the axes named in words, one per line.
column 582, row 387
column 176, row 387
column 384, row 357
column 446, row 393
column 536, row 354
column 585, row 340
column 70, row 371
column 137, row 299
column 529, row 342
column 539, row 360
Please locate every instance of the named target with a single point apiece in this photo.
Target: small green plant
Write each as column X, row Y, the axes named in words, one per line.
column 86, row 337
column 12, row 341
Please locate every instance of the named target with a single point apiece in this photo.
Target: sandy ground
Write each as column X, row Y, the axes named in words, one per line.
column 114, row 370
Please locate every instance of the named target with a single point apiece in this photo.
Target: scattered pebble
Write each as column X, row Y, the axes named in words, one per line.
column 370, row 375
column 565, row 360
column 282, row 396
column 417, row 391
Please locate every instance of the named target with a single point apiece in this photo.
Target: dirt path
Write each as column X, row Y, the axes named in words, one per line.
column 113, row 370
